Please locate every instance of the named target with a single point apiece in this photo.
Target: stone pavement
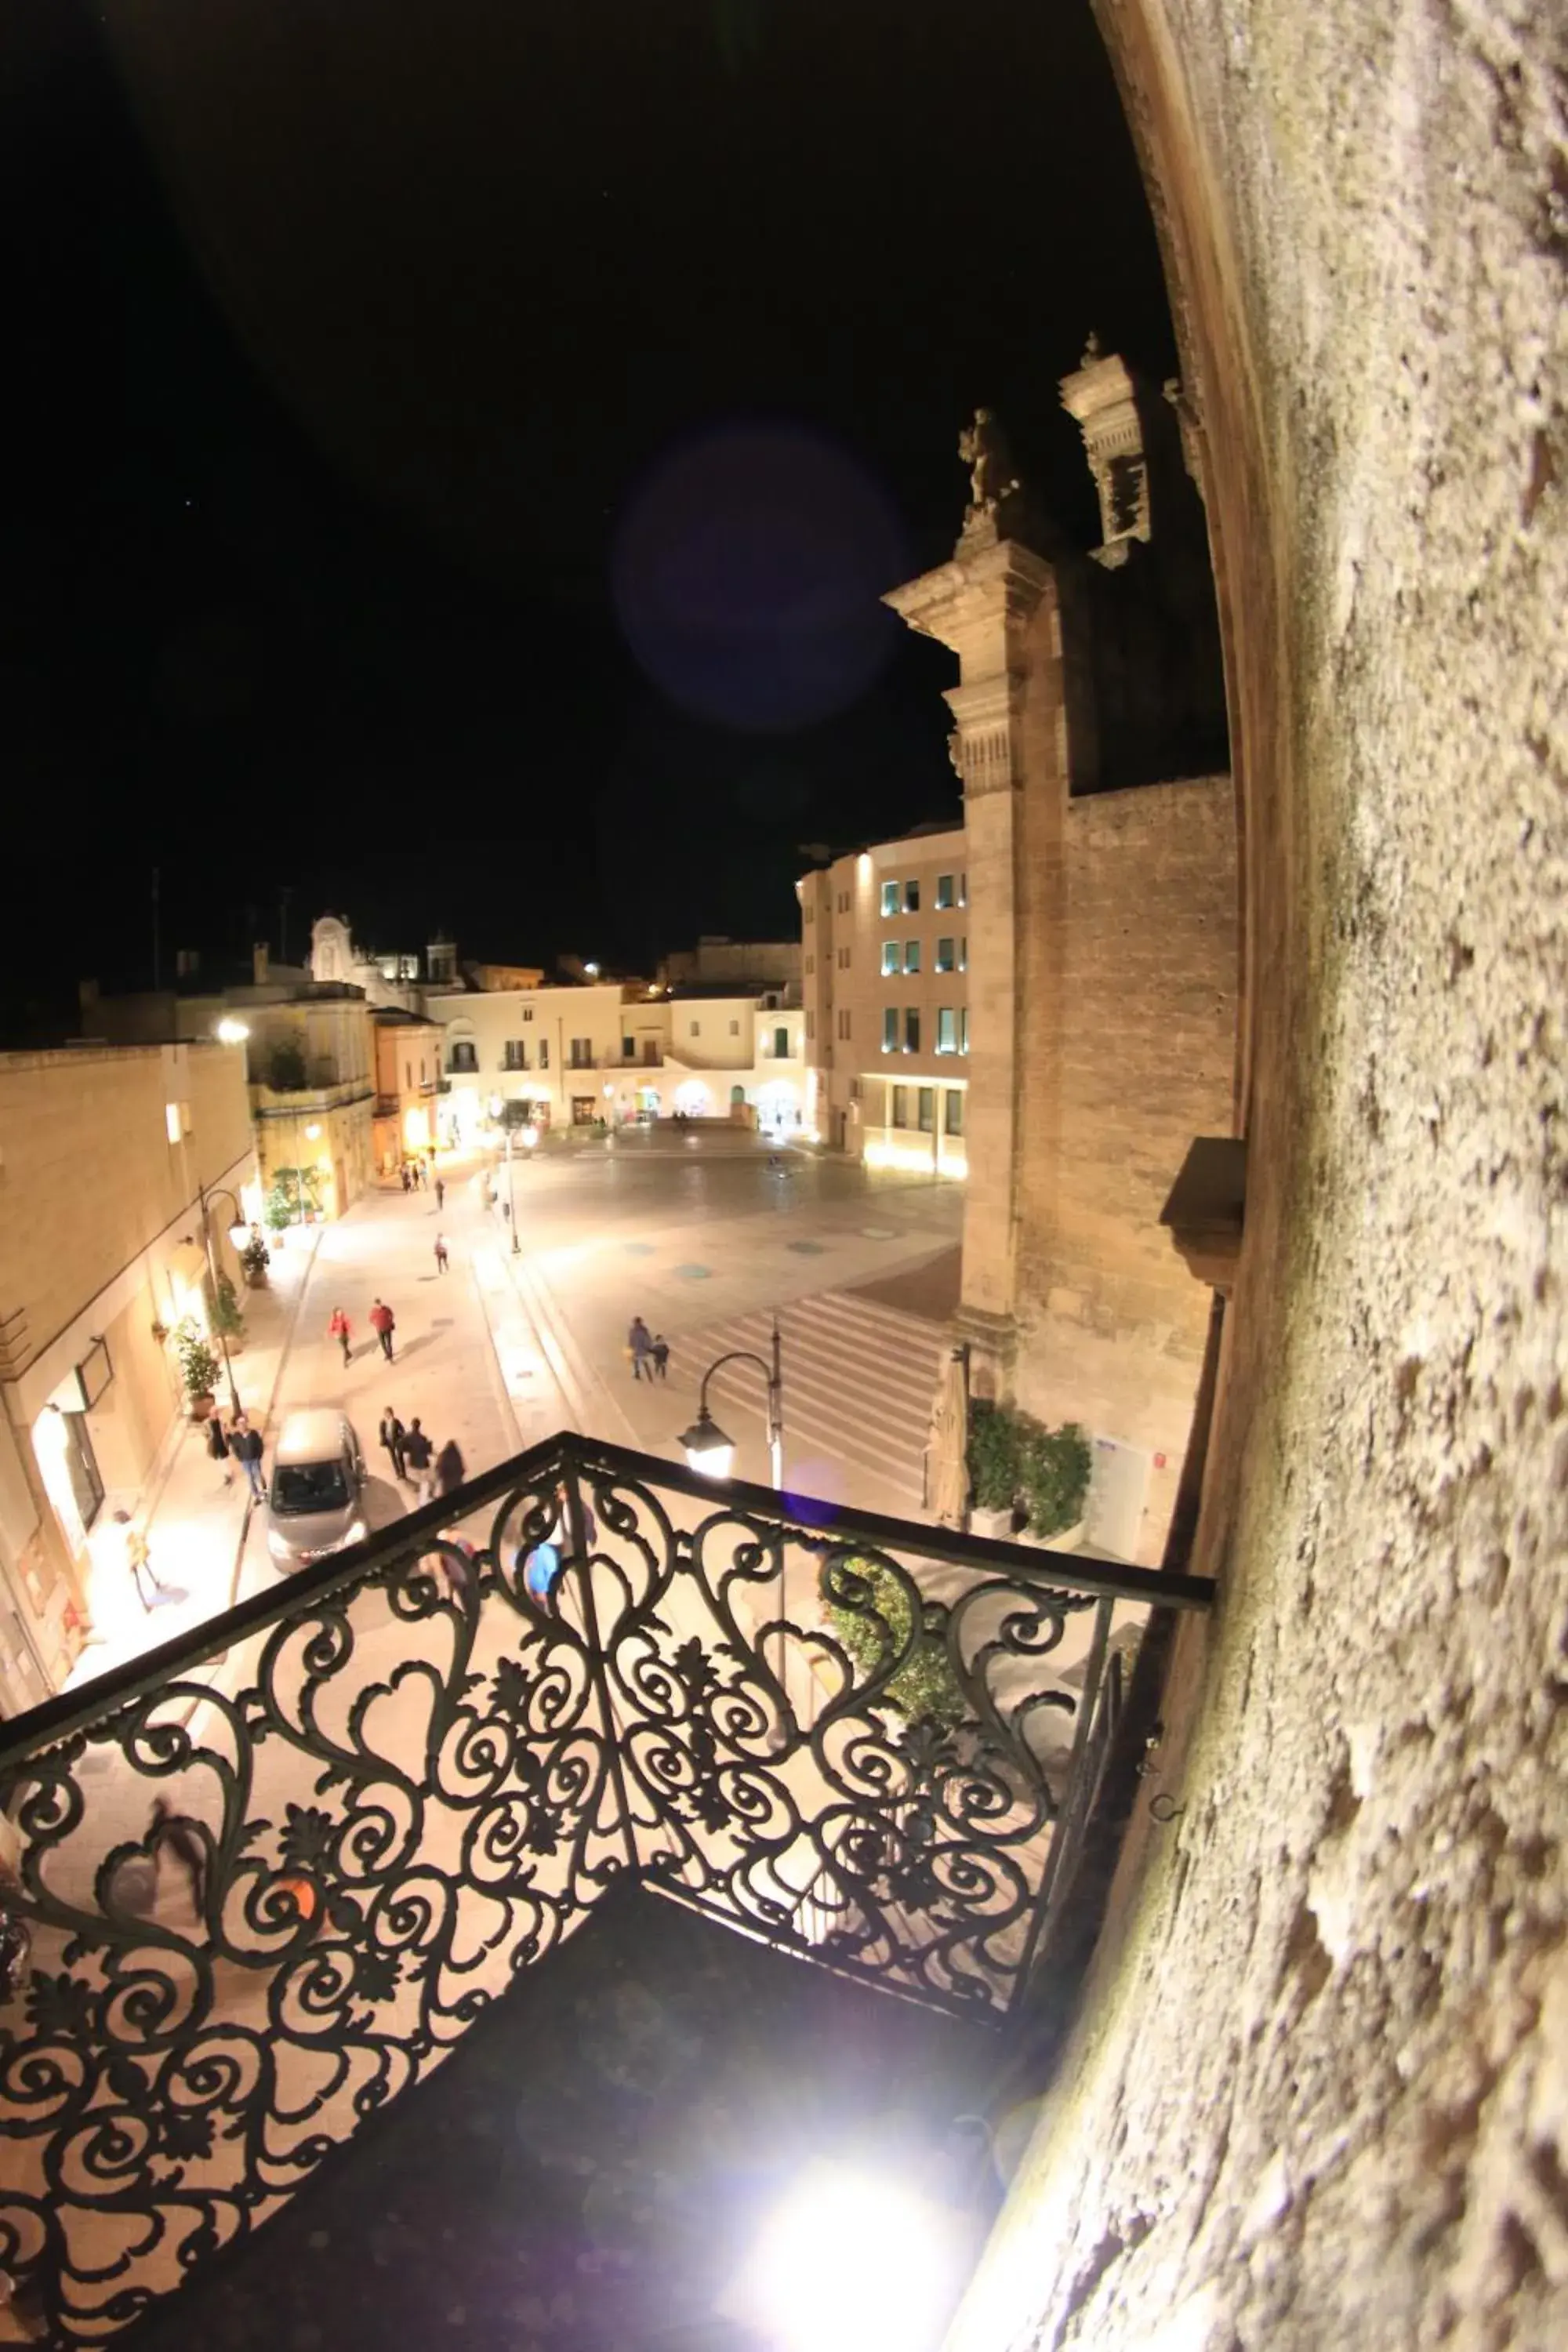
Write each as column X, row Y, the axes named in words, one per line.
column 467, row 1359
column 690, row 1228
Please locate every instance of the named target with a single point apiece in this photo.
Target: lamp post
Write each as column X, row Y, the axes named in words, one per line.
column 706, row 1447
column 511, row 1196
column 203, row 1196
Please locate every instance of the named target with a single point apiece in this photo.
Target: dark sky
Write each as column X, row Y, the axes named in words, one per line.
column 346, row 344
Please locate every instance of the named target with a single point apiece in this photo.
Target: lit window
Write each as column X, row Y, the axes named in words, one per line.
column 890, row 1029
column 911, row 897
column 964, row 889
column 964, row 1030
column 172, row 1121
column 953, row 1110
column 927, row 1110
column 964, row 953
column 889, row 957
column 945, row 955
column 889, row 897
column 912, row 955
column 944, row 890
column 946, row 1031
column 912, row 1030
column 899, row 1114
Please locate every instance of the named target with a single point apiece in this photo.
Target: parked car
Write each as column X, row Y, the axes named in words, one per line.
column 314, row 1505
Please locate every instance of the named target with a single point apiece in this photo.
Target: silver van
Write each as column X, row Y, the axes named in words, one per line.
column 314, row 1505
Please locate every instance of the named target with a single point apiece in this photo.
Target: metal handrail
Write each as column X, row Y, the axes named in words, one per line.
column 829, row 1524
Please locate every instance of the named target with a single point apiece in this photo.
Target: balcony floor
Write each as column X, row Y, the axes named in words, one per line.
column 588, row 2169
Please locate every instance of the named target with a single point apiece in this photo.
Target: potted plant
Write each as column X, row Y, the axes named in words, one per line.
column 253, row 1261
column 198, row 1367
column 1054, row 1472
column 925, row 1689
column 992, row 1458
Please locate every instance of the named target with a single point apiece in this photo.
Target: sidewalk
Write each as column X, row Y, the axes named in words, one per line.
column 195, row 1524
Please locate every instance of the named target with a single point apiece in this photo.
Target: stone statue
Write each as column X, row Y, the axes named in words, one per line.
column 993, row 476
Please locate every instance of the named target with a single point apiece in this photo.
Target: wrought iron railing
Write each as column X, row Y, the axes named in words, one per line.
column 264, row 1879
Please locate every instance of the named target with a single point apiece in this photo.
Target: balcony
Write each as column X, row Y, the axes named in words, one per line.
column 404, row 1777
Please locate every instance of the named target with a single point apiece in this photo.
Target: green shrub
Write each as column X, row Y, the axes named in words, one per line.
column 925, row 1689
column 992, row 1455
column 286, row 1070
column 1054, row 1467
column 255, row 1257
column 222, row 1310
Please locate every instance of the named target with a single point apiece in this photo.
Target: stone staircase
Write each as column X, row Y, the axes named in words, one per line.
column 859, row 1382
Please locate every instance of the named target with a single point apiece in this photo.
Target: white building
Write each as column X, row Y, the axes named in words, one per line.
column 613, row 1052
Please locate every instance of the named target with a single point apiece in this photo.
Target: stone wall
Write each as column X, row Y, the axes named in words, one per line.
column 1127, row 1050
column 1320, row 2097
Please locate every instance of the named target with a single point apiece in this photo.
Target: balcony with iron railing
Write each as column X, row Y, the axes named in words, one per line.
column 266, row 1878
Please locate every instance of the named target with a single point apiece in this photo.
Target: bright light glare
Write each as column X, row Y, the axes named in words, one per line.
column 711, row 1461
column 591, row 971
column 231, row 1032
column 312, row 1132
column 851, row 2262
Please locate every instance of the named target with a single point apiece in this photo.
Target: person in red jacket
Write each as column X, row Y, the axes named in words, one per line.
column 338, row 1329
column 384, row 1323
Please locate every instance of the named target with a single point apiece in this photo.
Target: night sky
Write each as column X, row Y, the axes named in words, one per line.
column 455, row 448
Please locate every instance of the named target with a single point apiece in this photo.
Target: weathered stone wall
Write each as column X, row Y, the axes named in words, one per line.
column 1127, row 1050
column 1321, row 2094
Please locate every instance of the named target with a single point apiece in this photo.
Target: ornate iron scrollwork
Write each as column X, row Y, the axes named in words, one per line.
column 252, row 1906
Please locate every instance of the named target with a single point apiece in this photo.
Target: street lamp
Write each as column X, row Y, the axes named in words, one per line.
column 230, row 1032
column 707, row 1448
column 238, row 1227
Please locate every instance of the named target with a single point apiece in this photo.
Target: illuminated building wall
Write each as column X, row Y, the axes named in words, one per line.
column 101, row 1150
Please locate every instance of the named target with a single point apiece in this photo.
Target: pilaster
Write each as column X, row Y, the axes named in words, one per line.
column 984, row 605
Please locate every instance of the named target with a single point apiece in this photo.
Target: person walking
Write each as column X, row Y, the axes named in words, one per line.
column 639, row 1347
column 440, row 1254
column 661, row 1355
column 244, row 1444
column 140, row 1566
column 338, row 1330
column 218, row 1446
column 384, row 1323
column 441, row 1192
column 393, row 1437
column 403, row 1173
column 450, row 1470
column 416, row 1453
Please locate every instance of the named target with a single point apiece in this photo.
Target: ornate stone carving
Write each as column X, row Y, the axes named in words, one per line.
column 999, row 504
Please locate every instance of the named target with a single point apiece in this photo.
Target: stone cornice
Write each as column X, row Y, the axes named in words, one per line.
column 981, row 587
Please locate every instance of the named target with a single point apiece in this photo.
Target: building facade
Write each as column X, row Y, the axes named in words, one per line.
column 1102, row 957
column 105, row 1155
column 403, row 1123
column 612, row 1051
column 312, row 1068
column 745, row 967
column 884, row 975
